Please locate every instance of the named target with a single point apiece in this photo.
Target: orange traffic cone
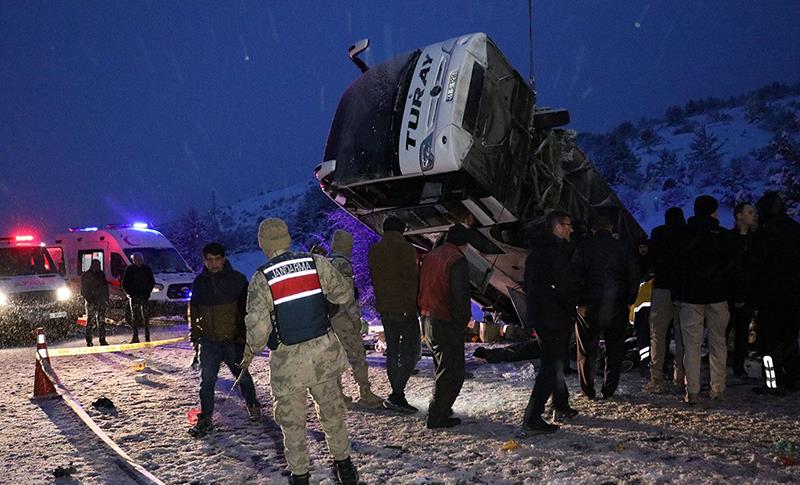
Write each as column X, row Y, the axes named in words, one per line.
column 42, row 387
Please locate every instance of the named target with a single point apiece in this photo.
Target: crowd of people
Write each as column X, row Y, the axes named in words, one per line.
column 702, row 282
column 137, row 283
column 303, row 307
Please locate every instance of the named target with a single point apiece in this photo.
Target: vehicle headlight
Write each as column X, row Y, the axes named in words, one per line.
column 63, row 294
column 426, row 154
column 3, row 298
column 158, row 287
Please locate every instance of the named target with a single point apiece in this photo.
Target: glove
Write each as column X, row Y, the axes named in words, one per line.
column 248, row 358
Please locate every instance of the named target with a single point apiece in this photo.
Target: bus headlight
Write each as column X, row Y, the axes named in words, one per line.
column 63, row 294
column 3, row 299
column 426, row 154
column 158, row 287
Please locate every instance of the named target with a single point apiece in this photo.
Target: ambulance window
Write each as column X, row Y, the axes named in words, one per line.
column 87, row 256
column 57, row 255
column 118, row 265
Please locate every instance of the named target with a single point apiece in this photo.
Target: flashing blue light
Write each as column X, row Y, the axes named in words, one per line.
column 140, row 225
column 82, row 229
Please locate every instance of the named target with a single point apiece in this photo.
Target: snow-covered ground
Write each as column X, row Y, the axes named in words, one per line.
column 633, row 438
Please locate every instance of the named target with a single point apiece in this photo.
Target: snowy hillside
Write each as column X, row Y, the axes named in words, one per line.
column 302, row 205
column 239, row 222
column 733, row 149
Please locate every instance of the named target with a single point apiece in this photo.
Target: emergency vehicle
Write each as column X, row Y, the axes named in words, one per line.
column 114, row 247
column 32, row 292
column 451, row 133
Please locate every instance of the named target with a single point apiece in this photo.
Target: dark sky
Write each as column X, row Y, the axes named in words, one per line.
column 111, row 111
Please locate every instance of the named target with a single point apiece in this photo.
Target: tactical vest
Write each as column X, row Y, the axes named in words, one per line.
column 300, row 306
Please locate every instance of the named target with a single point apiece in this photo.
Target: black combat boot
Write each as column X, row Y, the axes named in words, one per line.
column 202, row 428
column 537, row 425
column 300, row 479
column 346, row 472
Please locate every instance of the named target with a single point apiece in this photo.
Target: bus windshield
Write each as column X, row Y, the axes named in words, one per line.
column 366, row 126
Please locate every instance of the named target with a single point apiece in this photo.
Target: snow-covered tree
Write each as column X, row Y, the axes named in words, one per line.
column 190, row 233
column 674, row 115
column 649, row 138
column 735, row 182
column 665, row 168
column 617, row 163
column 706, row 154
column 310, row 221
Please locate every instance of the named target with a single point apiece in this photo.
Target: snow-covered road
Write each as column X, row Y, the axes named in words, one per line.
column 633, row 438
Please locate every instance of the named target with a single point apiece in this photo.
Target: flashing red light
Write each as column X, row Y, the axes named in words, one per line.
column 23, row 238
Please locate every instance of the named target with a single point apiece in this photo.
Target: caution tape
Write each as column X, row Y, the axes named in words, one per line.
column 137, row 472
column 65, row 352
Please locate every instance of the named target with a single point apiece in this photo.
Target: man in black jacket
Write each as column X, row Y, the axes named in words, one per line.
column 219, row 299
column 94, row 289
column 609, row 278
column 551, row 290
column 705, row 289
column 664, row 251
column 776, row 286
column 138, row 283
column 741, row 304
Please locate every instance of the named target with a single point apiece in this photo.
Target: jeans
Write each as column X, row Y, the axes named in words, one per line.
column 610, row 319
column 140, row 316
column 212, row 354
column 402, row 349
column 550, row 378
column 95, row 319
column 741, row 314
column 446, row 341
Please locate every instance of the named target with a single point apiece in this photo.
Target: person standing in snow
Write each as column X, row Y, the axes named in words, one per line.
column 287, row 310
column 444, row 303
column 138, row 283
column 776, row 287
column 219, row 297
column 741, row 305
column 665, row 244
column 94, row 289
column 346, row 321
column 705, row 290
column 395, row 278
column 640, row 310
column 552, row 293
column 609, row 277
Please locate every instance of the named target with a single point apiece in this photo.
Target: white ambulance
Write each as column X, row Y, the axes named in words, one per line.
column 114, row 247
column 32, row 292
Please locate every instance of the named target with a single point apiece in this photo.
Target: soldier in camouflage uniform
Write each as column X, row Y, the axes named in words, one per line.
column 286, row 309
column 346, row 322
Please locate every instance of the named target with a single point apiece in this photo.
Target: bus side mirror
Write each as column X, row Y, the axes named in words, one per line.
column 354, row 50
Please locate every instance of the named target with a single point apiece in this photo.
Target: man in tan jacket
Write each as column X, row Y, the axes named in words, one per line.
column 287, row 310
column 346, row 322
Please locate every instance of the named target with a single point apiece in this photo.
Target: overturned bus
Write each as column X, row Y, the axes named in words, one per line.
column 451, row 133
